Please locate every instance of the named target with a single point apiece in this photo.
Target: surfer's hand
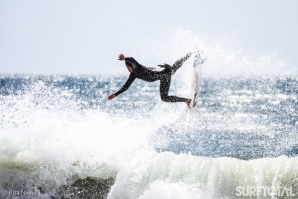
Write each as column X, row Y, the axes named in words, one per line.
column 112, row 96
column 188, row 102
column 121, row 57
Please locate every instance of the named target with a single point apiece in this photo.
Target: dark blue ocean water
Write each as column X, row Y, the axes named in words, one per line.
column 239, row 117
column 69, row 118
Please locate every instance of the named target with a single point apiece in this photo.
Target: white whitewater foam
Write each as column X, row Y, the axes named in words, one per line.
column 49, row 147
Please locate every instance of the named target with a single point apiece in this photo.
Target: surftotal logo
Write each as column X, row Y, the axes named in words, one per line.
column 264, row 191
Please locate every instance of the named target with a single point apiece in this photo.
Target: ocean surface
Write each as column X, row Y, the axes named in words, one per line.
column 61, row 138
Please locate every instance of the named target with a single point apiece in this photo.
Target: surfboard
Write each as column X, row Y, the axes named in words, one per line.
column 196, row 78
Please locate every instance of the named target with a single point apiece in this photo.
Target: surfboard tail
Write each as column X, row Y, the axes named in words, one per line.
column 196, row 77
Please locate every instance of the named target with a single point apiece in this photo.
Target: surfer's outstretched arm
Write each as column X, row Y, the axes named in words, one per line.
column 124, row 87
column 179, row 63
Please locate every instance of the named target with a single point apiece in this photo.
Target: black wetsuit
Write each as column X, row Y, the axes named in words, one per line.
column 150, row 74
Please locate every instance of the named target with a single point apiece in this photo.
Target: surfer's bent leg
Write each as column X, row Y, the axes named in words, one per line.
column 165, row 83
column 179, row 63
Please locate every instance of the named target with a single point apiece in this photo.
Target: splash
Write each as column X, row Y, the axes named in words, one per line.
column 226, row 56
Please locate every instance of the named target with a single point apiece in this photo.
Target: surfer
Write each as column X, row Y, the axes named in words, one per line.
column 161, row 72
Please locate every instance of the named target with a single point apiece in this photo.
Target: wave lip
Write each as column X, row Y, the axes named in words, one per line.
column 159, row 174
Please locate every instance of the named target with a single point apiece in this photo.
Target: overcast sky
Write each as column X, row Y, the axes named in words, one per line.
column 85, row 37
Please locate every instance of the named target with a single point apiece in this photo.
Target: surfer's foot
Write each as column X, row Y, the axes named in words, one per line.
column 188, row 101
column 188, row 55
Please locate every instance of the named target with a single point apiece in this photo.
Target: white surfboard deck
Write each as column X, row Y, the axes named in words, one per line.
column 196, row 81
